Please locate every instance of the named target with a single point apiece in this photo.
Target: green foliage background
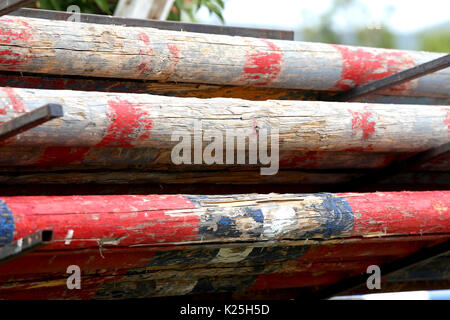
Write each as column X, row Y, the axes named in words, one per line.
column 436, row 39
column 188, row 7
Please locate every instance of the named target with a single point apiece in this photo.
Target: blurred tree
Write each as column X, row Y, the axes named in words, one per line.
column 360, row 32
column 86, row 6
column 435, row 40
column 188, row 7
column 380, row 37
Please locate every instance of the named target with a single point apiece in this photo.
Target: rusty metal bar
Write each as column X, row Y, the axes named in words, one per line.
column 166, row 25
column 9, row 6
column 395, row 79
column 30, row 120
column 24, row 245
column 377, row 175
column 422, row 256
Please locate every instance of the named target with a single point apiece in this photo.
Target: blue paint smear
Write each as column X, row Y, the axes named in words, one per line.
column 7, row 225
column 337, row 214
column 342, row 218
column 257, row 214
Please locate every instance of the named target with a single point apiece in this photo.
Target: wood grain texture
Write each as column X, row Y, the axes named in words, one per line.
column 119, row 273
column 157, row 220
column 195, row 90
column 60, row 47
column 138, row 120
column 72, row 158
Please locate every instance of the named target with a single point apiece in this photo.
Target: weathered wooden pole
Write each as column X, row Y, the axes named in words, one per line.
column 159, row 245
column 142, row 272
column 69, row 48
column 151, row 158
column 95, row 119
column 215, row 177
column 204, row 91
column 155, row 220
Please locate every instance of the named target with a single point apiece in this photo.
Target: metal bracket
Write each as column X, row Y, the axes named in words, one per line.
column 21, row 246
column 377, row 175
column 166, row 25
column 30, row 120
column 9, row 6
column 422, row 256
column 395, row 79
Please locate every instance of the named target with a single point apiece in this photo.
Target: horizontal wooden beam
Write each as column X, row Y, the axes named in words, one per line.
column 156, row 220
column 94, row 119
column 36, row 159
column 139, row 272
column 183, row 89
column 327, row 180
column 44, row 46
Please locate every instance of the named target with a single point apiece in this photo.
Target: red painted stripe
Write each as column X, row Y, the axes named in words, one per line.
column 263, row 66
column 146, row 53
column 16, row 103
column 363, row 65
column 400, row 212
column 175, row 53
column 308, row 161
column 360, row 121
column 128, row 124
column 447, row 121
column 59, row 156
column 8, row 58
column 129, row 220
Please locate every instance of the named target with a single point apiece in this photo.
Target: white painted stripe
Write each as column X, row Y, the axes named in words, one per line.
column 278, row 220
column 69, row 236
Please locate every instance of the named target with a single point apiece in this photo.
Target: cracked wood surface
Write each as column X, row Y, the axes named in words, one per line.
column 95, row 119
column 90, row 221
column 195, row 90
column 118, row 273
column 69, row 48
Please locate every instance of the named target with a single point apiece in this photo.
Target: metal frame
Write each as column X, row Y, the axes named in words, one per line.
column 30, row 120
column 394, row 168
column 395, row 79
column 422, row 256
column 24, row 245
column 166, row 25
column 9, row 6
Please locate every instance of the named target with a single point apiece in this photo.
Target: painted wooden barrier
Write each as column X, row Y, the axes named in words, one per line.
column 145, row 121
column 88, row 221
column 182, row 89
column 133, row 158
column 162, row 245
column 69, row 48
column 60, row 176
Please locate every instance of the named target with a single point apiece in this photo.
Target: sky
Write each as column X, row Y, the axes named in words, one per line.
column 407, row 15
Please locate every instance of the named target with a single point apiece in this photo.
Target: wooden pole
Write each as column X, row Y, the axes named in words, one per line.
column 142, row 272
column 161, row 245
column 183, row 89
column 63, row 176
column 69, row 48
column 95, row 119
column 155, row 220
